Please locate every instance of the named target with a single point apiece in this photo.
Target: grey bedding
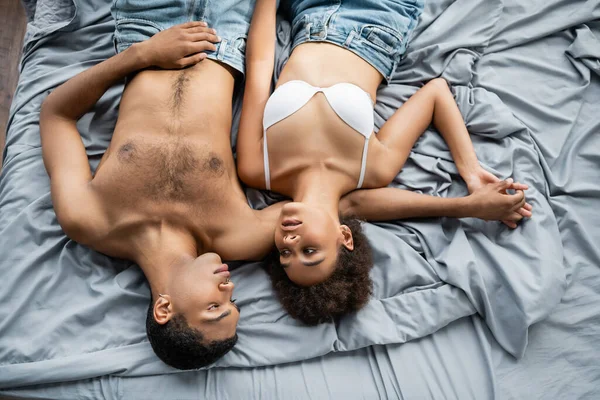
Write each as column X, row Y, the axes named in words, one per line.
column 453, row 300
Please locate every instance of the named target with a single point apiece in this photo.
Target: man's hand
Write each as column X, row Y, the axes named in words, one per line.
column 483, row 178
column 179, row 46
column 491, row 202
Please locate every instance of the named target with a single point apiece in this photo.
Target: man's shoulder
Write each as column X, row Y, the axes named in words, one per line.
column 271, row 213
column 252, row 239
column 84, row 219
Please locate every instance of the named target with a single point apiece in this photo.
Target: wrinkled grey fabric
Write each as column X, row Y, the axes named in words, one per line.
column 460, row 295
column 46, row 16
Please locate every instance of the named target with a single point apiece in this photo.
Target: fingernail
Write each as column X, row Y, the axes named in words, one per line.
column 214, row 31
column 203, row 23
column 218, row 38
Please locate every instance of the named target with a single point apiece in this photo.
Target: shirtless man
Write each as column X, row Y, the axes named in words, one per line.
column 165, row 194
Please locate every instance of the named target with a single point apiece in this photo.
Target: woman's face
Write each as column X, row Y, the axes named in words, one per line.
column 308, row 241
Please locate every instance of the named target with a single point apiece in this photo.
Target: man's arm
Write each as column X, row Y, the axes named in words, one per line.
column 63, row 151
column 488, row 203
column 260, row 61
column 178, row 47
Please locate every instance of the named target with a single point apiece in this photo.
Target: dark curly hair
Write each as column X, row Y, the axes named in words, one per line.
column 179, row 345
column 348, row 289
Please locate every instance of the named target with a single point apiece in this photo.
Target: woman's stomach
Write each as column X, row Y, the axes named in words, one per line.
column 325, row 64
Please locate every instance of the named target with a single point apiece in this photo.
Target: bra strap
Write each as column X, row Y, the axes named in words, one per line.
column 363, row 165
column 266, row 161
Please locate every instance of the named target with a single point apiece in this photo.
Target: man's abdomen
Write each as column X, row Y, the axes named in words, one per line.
column 195, row 101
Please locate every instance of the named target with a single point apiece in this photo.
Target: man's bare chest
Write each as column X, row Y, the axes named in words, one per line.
column 154, row 172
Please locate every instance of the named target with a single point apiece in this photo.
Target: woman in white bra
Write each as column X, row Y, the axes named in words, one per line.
column 313, row 141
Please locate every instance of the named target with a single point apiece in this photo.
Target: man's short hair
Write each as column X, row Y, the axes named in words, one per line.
column 179, row 345
column 347, row 290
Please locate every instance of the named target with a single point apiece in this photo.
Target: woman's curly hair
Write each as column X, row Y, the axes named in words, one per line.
column 347, row 290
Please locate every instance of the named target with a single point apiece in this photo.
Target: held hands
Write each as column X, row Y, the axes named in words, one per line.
column 489, row 199
column 179, row 46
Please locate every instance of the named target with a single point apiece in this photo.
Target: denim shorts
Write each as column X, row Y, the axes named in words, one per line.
column 375, row 30
column 138, row 20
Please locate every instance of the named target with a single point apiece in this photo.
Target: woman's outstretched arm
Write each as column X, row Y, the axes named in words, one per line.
column 260, row 61
column 434, row 103
column 489, row 203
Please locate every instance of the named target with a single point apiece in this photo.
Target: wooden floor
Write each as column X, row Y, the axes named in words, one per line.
column 12, row 29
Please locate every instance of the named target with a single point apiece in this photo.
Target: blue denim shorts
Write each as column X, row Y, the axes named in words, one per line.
column 375, row 30
column 138, row 20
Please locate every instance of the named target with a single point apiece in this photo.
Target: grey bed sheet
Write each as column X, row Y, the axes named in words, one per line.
column 526, row 80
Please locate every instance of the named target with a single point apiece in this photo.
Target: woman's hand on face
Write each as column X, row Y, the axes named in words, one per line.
column 490, row 202
column 483, row 178
column 179, row 46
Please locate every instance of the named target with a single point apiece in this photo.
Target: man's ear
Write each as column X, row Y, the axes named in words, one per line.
column 348, row 240
column 163, row 309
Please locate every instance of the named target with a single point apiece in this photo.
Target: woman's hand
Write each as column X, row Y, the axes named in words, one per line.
column 179, row 46
column 483, row 178
column 490, row 202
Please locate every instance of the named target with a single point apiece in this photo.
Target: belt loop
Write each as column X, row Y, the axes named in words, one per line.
column 323, row 33
column 349, row 39
column 308, row 27
column 222, row 48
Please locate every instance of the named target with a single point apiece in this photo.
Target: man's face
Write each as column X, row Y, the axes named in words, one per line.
column 201, row 291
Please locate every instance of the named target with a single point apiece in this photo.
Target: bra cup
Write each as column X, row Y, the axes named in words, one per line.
column 286, row 100
column 353, row 105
